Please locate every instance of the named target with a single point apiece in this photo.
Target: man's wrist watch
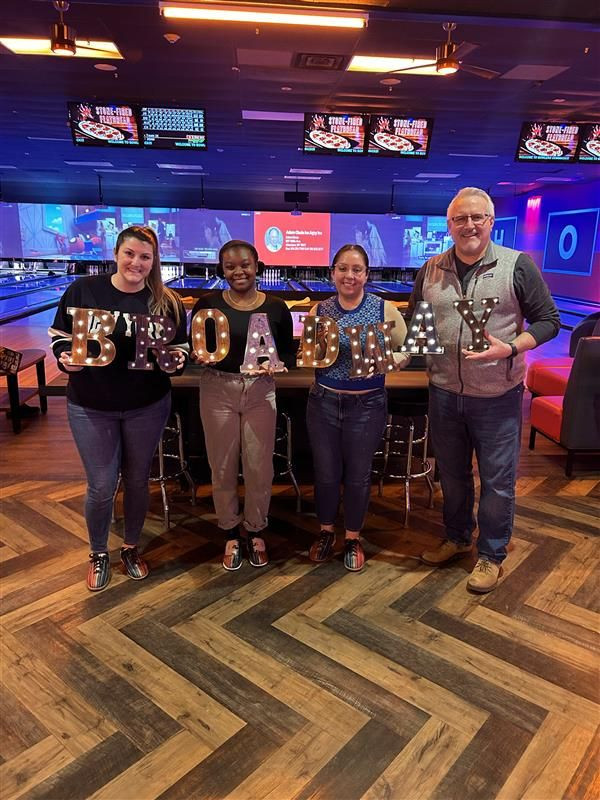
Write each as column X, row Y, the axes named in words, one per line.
column 513, row 350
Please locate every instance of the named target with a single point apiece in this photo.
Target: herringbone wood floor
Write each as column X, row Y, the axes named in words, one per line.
column 296, row 681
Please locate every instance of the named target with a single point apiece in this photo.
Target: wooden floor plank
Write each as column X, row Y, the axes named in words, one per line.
column 418, row 769
column 40, row 761
column 533, row 776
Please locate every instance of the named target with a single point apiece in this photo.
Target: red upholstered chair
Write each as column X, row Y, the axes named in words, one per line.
column 548, row 376
column 573, row 420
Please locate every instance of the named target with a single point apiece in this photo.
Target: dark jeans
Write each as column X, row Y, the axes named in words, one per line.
column 490, row 426
column 344, row 432
column 110, row 442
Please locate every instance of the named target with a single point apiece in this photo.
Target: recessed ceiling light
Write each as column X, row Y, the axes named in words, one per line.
column 105, row 67
column 178, row 166
column 390, row 81
column 89, row 163
column 220, row 150
column 559, row 100
column 286, row 88
column 473, row 155
column 438, row 174
column 302, row 171
column 505, row 183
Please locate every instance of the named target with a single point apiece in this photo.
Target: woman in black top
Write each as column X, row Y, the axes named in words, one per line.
column 117, row 412
column 238, row 410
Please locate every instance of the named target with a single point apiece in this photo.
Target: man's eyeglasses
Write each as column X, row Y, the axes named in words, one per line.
column 476, row 219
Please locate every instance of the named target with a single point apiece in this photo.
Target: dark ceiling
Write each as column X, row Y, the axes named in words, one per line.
column 228, row 68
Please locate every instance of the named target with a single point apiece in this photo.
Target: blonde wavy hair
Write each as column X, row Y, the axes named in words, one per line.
column 163, row 301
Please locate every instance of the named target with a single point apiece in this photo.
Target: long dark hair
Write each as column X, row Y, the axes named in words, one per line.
column 163, row 301
column 348, row 247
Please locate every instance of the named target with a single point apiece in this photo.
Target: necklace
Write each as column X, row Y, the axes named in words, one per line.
column 237, row 304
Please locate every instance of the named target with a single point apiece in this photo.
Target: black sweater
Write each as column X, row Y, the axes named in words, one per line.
column 280, row 323
column 114, row 387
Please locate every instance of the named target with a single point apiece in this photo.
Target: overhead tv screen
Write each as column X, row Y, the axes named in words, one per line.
column 399, row 136
column 548, row 141
column 326, row 134
column 173, row 128
column 104, row 124
column 589, row 143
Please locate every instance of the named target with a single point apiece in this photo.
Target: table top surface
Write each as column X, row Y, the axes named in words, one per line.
column 295, row 379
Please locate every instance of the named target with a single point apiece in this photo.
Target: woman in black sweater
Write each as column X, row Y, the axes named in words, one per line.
column 118, row 408
column 238, row 409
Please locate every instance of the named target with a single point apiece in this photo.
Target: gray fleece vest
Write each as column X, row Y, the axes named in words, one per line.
column 441, row 287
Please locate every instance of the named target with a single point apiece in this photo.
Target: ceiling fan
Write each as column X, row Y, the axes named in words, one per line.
column 62, row 41
column 448, row 58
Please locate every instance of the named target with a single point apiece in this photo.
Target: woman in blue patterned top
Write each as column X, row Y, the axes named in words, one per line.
column 346, row 416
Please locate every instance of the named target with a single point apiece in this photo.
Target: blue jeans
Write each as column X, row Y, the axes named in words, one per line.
column 110, row 442
column 490, row 426
column 344, row 432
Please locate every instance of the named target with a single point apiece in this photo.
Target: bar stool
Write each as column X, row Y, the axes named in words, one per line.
column 401, row 439
column 14, row 398
column 283, row 452
column 169, row 464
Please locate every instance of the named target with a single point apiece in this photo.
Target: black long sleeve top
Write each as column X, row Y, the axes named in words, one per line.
column 280, row 323
column 114, row 387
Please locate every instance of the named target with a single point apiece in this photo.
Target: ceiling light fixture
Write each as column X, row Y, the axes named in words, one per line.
column 85, row 48
column 62, row 42
column 277, row 15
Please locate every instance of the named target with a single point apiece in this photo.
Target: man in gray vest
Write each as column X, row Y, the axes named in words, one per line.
column 476, row 395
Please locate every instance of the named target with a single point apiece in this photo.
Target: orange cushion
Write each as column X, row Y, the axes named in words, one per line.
column 549, row 380
column 546, row 415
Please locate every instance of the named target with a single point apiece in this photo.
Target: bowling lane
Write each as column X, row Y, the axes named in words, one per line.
column 18, row 288
column 194, row 283
column 15, row 304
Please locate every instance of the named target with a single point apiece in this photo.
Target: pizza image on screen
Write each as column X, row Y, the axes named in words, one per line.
column 544, row 149
column 332, row 141
column 593, row 147
column 390, row 141
column 98, row 130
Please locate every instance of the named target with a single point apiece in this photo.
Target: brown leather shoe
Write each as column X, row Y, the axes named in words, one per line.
column 445, row 552
column 484, row 577
column 322, row 548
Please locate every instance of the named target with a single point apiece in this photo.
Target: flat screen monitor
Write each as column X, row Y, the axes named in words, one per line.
column 343, row 134
column 589, row 143
column 548, row 141
column 108, row 124
column 399, row 136
column 173, row 128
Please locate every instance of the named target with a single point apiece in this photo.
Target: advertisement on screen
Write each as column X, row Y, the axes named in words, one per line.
column 589, row 144
column 113, row 125
column 399, row 136
column 343, row 134
column 284, row 240
column 548, row 141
